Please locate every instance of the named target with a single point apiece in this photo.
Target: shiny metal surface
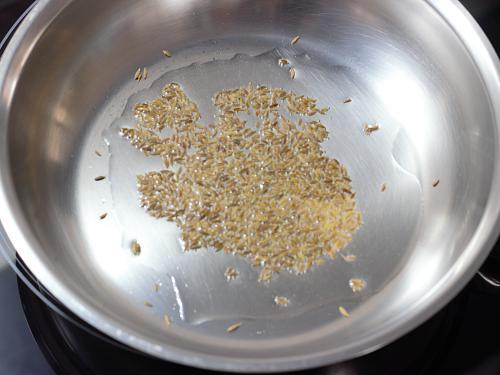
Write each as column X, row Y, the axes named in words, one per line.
column 422, row 69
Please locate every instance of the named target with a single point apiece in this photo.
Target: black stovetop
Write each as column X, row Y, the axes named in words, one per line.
column 463, row 338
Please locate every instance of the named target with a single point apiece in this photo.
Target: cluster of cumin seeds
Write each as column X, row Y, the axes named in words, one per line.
column 263, row 189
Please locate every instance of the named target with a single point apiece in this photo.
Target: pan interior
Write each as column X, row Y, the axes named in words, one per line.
column 399, row 61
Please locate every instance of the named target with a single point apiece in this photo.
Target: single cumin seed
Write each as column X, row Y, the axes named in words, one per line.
column 435, row 183
column 349, row 258
column 157, row 287
column 357, row 285
column 145, row 74
column 138, row 74
column 135, row 247
column 281, row 301
column 233, row 327
column 348, row 100
column 282, row 62
column 98, row 153
column 369, row 129
column 103, row 216
column 99, row 178
column 292, row 73
column 344, row 312
column 167, row 320
column 148, row 304
column 383, row 187
column 295, row 40
column 167, row 53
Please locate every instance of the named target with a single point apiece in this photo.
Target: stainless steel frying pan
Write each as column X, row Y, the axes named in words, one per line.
column 421, row 69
